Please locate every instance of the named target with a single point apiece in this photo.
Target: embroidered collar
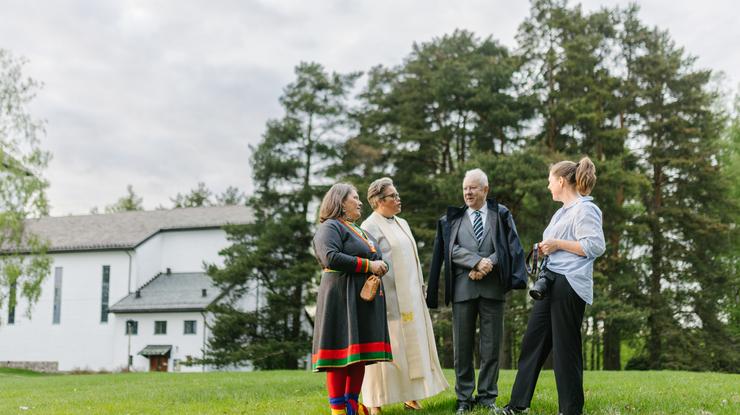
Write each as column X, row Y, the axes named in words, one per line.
column 360, row 233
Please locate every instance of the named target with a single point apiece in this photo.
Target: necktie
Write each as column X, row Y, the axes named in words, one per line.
column 478, row 226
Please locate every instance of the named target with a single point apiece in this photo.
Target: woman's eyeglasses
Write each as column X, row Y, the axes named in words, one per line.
column 394, row 196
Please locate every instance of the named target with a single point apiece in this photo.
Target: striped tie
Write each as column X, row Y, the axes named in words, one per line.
column 478, row 226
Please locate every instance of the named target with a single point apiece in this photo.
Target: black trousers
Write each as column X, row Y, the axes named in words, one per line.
column 465, row 314
column 554, row 324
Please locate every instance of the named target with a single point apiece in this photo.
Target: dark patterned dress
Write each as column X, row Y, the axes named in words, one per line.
column 347, row 329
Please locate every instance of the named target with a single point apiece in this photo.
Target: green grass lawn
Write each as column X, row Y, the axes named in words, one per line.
column 298, row 392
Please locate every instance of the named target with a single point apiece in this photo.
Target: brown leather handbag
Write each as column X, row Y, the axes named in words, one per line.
column 370, row 289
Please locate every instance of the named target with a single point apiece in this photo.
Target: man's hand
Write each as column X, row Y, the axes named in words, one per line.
column 476, row 275
column 484, row 265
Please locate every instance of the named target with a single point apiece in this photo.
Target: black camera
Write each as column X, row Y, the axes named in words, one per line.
column 540, row 287
column 536, row 270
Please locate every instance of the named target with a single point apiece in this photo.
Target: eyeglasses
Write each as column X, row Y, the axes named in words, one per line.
column 394, row 196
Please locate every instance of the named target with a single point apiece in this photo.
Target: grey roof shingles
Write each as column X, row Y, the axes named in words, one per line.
column 171, row 292
column 125, row 230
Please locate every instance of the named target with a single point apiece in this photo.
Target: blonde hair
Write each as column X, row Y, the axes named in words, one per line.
column 581, row 175
column 376, row 190
column 331, row 205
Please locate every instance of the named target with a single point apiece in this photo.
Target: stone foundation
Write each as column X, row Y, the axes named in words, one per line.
column 46, row 367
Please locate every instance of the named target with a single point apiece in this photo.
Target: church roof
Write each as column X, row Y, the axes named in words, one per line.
column 126, row 230
column 175, row 292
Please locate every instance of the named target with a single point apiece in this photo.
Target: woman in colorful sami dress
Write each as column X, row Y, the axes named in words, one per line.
column 348, row 331
column 572, row 241
column 415, row 372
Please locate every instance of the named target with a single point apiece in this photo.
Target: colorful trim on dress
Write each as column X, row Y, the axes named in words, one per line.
column 364, row 352
column 360, row 233
column 363, row 265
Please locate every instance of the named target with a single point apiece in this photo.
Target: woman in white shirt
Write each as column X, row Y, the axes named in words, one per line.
column 572, row 241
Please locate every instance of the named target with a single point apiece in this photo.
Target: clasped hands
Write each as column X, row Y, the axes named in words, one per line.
column 481, row 269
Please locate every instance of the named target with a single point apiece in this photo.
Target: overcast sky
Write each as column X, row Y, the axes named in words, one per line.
column 165, row 94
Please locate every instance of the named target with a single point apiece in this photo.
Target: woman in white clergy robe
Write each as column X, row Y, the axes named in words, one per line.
column 415, row 372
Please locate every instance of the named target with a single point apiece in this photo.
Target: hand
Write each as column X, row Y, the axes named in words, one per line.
column 548, row 246
column 378, row 267
column 476, row 275
column 484, row 265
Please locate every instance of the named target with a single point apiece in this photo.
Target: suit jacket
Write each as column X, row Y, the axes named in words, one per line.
column 508, row 251
column 466, row 253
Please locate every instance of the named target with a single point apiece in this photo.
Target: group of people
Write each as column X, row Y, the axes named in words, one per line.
column 383, row 345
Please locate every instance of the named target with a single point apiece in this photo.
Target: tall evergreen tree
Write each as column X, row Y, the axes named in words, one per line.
column 271, row 257
column 686, row 204
column 573, row 65
column 453, row 98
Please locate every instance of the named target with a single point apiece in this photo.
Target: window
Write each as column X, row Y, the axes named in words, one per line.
column 57, row 295
column 132, row 327
column 190, row 326
column 160, row 327
column 104, row 295
column 11, row 304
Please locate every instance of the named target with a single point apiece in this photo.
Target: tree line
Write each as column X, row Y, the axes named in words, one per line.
column 199, row 196
column 598, row 83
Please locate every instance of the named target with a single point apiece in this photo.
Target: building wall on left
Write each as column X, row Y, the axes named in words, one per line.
column 80, row 340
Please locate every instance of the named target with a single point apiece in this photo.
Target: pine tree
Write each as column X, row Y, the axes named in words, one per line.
column 685, row 203
column 270, row 259
column 573, row 64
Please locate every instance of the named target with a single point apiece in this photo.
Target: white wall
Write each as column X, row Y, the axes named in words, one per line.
column 181, row 251
column 183, row 345
column 81, row 340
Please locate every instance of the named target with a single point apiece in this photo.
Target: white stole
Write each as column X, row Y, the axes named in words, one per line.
column 403, row 289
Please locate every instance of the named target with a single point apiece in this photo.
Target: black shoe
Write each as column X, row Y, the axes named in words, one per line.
column 539, row 289
column 512, row 410
column 463, row 407
column 491, row 406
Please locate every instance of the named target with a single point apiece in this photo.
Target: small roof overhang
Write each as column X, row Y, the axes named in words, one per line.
column 155, row 350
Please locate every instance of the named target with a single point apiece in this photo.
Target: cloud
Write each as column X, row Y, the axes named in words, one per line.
column 162, row 95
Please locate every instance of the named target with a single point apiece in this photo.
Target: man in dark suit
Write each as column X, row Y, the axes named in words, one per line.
column 483, row 259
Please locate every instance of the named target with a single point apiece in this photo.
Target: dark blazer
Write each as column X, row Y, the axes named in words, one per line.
column 512, row 273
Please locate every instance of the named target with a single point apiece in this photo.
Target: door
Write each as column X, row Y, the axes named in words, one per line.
column 158, row 363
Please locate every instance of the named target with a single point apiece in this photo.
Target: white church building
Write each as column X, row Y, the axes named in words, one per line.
column 126, row 291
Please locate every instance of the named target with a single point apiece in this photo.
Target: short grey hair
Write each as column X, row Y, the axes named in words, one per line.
column 376, row 190
column 479, row 175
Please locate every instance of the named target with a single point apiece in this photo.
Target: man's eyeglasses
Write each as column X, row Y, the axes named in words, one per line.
column 394, row 196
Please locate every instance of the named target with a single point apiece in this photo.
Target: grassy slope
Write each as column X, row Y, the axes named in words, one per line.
column 303, row 393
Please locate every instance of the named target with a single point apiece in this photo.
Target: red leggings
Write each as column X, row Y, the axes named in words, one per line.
column 344, row 384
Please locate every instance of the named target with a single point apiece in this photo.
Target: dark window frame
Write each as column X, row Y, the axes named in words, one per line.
column 193, row 326
column 57, row 305
column 105, row 294
column 134, row 325
column 160, row 324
